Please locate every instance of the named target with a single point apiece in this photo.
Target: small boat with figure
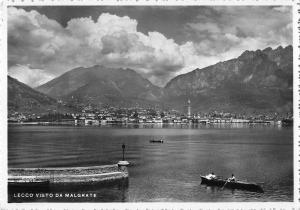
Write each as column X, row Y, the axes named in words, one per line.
column 242, row 185
column 156, row 141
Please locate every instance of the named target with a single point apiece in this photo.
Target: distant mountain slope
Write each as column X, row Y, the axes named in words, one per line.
column 255, row 81
column 102, row 85
column 24, row 99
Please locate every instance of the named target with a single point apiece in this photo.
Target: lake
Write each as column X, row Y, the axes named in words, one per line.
column 168, row 172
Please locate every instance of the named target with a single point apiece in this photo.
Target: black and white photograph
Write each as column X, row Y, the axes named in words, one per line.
column 150, row 103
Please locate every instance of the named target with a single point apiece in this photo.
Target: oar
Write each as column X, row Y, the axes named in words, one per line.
column 224, row 185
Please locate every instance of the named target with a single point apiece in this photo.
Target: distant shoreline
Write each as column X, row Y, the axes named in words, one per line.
column 152, row 123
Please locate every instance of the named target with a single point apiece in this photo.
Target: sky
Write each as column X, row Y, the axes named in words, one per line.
column 158, row 42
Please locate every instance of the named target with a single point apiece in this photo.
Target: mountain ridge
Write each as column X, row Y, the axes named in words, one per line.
column 102, row 85
column 260, row 80
column 255, row 74
column 22, row 98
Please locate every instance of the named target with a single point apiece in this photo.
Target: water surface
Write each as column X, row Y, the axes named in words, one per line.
column 164, row 172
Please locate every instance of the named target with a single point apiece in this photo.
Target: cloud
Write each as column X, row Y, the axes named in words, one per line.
column 224, row 32
column 40, row 45
column 31, row 77
column 209, row 27
column 283, row 9
column 243, row 22
column 38, row 42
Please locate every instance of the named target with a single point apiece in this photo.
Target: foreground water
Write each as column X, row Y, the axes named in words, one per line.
column 168, row 172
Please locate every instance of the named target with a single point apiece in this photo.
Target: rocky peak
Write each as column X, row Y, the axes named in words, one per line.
column 279, row 48
column 260, row 79
column 250, row 55
column 266, row 50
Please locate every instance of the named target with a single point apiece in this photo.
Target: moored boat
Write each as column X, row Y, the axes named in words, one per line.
column 233, row 185
column 157, row 141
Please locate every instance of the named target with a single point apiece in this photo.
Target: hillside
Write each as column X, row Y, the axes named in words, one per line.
column 256, row 81
column 100, row 85
column 24, row 99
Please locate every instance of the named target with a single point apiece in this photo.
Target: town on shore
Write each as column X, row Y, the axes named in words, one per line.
column 137, row 115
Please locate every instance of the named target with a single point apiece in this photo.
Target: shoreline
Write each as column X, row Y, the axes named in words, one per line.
column 151, row 123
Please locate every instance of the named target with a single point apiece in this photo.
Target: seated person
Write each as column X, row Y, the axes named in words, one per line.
column 231, row 179
column 211, row 176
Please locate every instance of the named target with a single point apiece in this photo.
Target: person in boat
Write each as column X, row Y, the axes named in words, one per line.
column 231, row 179
column 211, row 176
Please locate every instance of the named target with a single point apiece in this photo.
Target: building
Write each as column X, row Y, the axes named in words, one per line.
column 189, row 113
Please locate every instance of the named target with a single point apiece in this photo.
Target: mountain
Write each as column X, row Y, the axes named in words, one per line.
column 24, row 99
column 99, row 85
column 256, row 81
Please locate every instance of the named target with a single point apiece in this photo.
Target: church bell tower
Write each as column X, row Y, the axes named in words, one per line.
column 189, row 114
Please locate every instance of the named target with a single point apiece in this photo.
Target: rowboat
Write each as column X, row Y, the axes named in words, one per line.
column 233, row 185
column 156, row 141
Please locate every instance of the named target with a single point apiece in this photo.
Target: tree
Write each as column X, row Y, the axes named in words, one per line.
column 136, row 115
column 152, row 112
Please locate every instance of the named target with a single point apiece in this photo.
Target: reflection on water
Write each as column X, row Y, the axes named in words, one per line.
column 169, row 171
column 71, row 192
column 191, row 125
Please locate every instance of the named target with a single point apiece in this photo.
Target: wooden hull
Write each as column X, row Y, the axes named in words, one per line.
column 156, row 141
column 233, row 185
